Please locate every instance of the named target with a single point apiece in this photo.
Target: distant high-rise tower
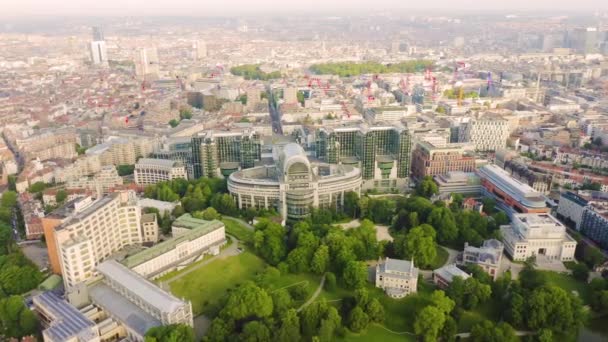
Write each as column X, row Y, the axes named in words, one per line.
column 147, row 63
column 200, row 50
column 99, row 53
column 97, row 34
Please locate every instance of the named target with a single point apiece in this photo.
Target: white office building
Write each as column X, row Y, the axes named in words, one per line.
column 540, row 235
column 206, row 237
column 487, row 134
column 99, row 53
column 151, row 171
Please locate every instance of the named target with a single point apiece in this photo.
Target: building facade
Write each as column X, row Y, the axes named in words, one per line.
column 218, row 154
column 443, row 276
column 488, row 256
column 511, row 195
column 595, row 222
column 540, row 235
column 430, row 160
column 382, row 152
column 206, row 238
column 151, row 171
column 293, row 185
column 83, row 233
column 457, row 182
column 149, row 228
column 398, row 278
column 487, row 134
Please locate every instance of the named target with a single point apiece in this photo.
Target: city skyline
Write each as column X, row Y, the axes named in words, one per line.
column 241, row 7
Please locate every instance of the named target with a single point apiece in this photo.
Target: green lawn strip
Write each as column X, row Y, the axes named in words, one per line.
column 205, row 286
column 376, row 332
column 568, row 283
column 237, row 229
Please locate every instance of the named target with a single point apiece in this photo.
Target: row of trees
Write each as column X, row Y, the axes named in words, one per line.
column 254, row 72
column 319, row 248
column 252, row 312
column 18, row 275
column 348, row 69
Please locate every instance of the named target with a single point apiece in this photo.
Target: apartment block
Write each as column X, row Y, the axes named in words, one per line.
column 151, row 171
column 430, row 160
column 487, row 134
column 85, row 232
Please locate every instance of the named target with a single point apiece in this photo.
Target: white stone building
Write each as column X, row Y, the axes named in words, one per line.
column 149, row 228
column 206, row 238
column 488, row 256
column 398, row 278
column 151, row 171
column 540, row 235
column 487, row 134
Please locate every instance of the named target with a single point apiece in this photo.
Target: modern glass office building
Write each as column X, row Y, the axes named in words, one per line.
column 382, row 152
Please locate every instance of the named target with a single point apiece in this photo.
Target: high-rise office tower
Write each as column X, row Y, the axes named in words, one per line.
column 97, row 34
column 200, row 50
column 383, row 152
column 218, row 154
column 147, row 62
column 99, row 53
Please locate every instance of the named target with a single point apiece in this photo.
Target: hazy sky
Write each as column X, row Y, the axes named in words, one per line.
column 233, row 7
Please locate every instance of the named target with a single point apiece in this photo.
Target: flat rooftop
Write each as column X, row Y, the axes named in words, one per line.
column 122, row 309
column 166, row 246
column 148, row 292
column 537, row 219
column 67, row 321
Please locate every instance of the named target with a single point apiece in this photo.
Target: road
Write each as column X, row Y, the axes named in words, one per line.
column 275, row 113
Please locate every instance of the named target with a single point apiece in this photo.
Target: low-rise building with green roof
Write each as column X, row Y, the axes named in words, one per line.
column 195, row 238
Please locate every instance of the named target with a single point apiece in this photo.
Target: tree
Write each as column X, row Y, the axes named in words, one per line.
column 224, row 203
column 375, row 311
column 16, row 320
column 320, row 319
column 357, row 320
column 330, row 281
column 255, row 331
column 61, row 196
column 442, row 220
column 210, row 214
column 220, row 330
column 37, row 187
column 545, row 335
column 269, row 241
column 9, row 199
column 516, row 309
column 247, row 301
column 580, row 272
column 298, row 260
column 487, row 331
column 420, row 245
column 475, row 293
column 553, row 308
column 429, row 322
column 443, row 303
column 125, row 170
column 320, row 260
column 351, row 204
column 365, row 241
column 170, row 333
column 456, row 290
column 289, row 329
column 173, row 123
column 450, row 329
column 427, row 187
column 6, row 238
column 355, row 274
column 281, row 301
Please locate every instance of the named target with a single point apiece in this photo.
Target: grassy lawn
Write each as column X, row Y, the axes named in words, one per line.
column 205, row 286
column 238, row 230
column 568, row 283
column 374, row 333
